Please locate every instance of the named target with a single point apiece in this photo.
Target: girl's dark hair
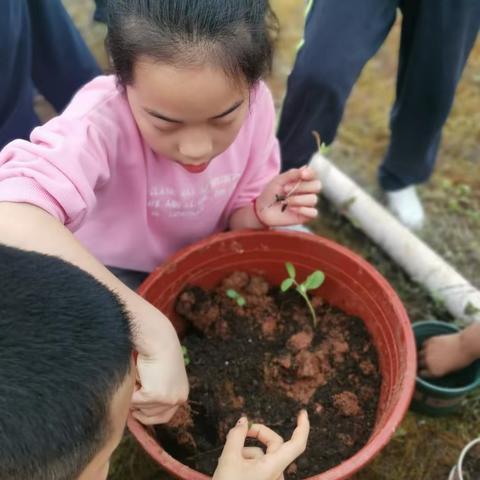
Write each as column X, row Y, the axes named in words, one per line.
column 236, row 35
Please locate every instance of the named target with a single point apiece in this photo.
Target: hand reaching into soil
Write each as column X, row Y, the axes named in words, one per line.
column 444, row 354
column 238, row 462
column 289, row 199
column 162, row 379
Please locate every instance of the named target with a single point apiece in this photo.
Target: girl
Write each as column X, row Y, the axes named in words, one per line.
column 179, row 144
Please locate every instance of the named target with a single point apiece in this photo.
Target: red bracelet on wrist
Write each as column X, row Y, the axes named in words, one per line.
column 255, row 211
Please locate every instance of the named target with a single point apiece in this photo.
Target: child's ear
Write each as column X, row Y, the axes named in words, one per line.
column 134, row 364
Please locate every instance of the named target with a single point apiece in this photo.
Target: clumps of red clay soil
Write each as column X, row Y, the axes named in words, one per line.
column 267, row 361
column 347, row 404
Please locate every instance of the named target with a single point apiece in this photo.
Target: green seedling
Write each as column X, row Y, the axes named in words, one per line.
column 471, row 309
column 323, row 149
column 186, row 357
column 234, row 295
column 313, row 281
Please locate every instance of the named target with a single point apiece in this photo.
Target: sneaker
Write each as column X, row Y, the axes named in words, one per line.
column 407, row 207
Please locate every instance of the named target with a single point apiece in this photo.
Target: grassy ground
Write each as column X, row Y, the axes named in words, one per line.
column 423, row 448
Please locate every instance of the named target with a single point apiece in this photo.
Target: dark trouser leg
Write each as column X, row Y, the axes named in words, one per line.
column 340, row 37
column 131, row 278
column 437, row 37
column 17, row 117
column 101, row 11
column 62, row 62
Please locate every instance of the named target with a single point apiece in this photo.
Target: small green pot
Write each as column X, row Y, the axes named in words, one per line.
column 441, row 396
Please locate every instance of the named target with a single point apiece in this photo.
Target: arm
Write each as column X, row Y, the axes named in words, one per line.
column 160, row 361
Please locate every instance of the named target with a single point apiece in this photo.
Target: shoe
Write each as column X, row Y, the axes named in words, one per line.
column 407, row 207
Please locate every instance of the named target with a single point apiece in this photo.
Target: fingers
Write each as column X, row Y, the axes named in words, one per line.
column 291, row 176
column 304, row 214
column 272, row 440
column 300, row 434
column 313, row 186
column 305, row 174
column 236, row 439
column 154, row 415
column 143, row 397
column 423, row 368
column 308, row 173
column 421, row 355
column 252, row 453
column 290, row 450
column 308, row 200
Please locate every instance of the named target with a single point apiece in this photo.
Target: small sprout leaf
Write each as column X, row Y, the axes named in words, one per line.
column 471, row 309
column 186, row 357
column 286, row 284
column 314, row 280
column 232, row 293
column 324, row 149
column 241, row 302
column 290, row 269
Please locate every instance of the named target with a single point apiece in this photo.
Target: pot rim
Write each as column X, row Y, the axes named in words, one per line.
column 465, row 450
column 377, row 441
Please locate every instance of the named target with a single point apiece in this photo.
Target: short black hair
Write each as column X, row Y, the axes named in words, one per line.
column 236, row 35
column 65, row 349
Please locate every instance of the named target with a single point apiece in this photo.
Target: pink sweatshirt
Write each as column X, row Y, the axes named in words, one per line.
column 91, row 169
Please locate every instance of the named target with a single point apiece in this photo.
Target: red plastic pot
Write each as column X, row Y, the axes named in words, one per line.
column 351, row 283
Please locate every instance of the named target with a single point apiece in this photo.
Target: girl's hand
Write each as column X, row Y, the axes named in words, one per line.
column 289, row 199
column 238, row 462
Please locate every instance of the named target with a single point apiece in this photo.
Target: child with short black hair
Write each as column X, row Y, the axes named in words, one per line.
column 66, row 369
column 67, row 376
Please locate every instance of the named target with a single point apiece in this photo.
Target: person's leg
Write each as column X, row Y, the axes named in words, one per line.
column 62, row 62
column 437, row 37
column 100, row 11
column 17, row 116
column 340, row 37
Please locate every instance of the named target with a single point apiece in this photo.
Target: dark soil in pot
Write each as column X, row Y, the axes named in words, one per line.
column 267, row 361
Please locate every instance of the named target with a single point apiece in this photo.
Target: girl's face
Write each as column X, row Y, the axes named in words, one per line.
column 189, row 115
